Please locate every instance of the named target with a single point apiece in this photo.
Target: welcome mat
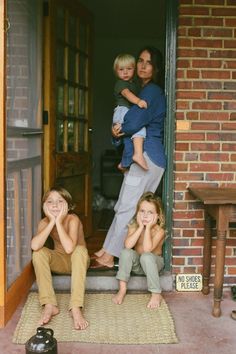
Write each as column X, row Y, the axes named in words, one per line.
column 129, row 323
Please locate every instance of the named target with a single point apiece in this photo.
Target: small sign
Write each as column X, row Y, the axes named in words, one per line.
column 189, row 282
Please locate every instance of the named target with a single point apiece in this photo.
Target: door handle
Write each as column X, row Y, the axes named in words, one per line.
column 90, row 130
column 32, row 133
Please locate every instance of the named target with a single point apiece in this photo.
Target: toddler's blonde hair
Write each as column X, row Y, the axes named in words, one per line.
column 123, row 60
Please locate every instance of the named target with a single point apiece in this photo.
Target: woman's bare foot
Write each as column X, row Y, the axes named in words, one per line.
column 155, row 301
column 119, row 297
column 79, row 321
column 100, row 252
column 106, row 260
column 140, row 160
column 48, row 312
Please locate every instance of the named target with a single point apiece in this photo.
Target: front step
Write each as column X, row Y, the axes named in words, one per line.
column 106, row 281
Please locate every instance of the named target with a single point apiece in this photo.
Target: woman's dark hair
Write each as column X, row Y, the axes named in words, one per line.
column 157, row 63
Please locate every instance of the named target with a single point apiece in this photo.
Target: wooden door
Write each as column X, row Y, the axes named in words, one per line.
column 67, row 102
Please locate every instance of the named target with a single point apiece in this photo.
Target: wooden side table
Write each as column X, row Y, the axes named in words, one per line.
column 220, row 205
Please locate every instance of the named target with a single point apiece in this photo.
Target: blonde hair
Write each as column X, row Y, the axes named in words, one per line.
column 156, row 201
column 63, row 193
column 123, row 60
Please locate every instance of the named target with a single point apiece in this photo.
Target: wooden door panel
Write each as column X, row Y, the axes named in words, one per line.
column 68, row 156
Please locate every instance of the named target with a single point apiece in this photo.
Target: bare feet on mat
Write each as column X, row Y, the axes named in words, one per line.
column 155, row 301
column 79, row 321
column 140, row 160
column 48, row 312
column 119, row 297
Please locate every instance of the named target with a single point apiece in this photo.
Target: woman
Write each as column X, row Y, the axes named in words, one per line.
column 136, row 179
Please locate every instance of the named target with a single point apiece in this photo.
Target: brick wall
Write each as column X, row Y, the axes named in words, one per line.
column 205, row 148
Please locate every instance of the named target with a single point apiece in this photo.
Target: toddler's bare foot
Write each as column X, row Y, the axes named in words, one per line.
column 155, row 301
column 121, row 168
column 119, row 297
column 48, row 312
column 140, row 160
column 79, row 321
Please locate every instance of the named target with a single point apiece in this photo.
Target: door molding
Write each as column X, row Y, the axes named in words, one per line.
column 170, row 81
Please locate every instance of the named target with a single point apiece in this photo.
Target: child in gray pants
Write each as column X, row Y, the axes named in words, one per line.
column 143, row 249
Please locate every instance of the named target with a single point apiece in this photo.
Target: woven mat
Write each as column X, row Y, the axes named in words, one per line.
column 129, row 323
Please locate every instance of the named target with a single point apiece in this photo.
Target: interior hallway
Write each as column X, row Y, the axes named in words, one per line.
column 198, row 331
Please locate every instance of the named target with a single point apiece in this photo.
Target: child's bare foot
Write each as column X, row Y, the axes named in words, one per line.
column 121, row 168
column 48, row 312
column 140, row 160
column 119, row 297
column 79, row 321
column 155, row 301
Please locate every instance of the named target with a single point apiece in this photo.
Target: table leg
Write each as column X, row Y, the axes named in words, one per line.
column 219, row 271
column 206, row 254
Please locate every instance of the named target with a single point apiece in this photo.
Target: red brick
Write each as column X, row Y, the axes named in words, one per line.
column 180, row 186
column 196, row 242
column 203, row 167
column 230, row 105
column 229, row 147
column 208, row 21
column 184, row 85
column 221, row 95
column 182, row 105
column 214, row 157
column 183, row 63
column 188, row 233
column 207, row 105
column 222, row 136
column 217, row 32
column 191, row 157
column 195, row 260
column 185, row 21
column 193, row 74
column 187, row 251
column 190, row 136
column 209, row 2
column 214, row 116
column 182, row 146
column 178, row 156
column 181, row 206
column 222, row 54
column 199, row 95
column 192, row 115
column 180, row 242
column 184, row 10
column 229, row 126
column 233, row 157
column 205, row 126
column 229, row 43
column 224, row 11
column 181, row 32
column 179, row 261
column 184, row 42
column 206, row 63
column 200, row 85
column 230, row 22
column 179, row 115
column 194, row 32
column 198, row 214
column 213, row 74
column 228, row 167
column 181, row 167
column 207, row 43
column 219, row 177
column 192, row 53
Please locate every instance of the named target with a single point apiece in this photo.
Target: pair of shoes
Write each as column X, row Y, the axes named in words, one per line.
column 96, row 265
column 233, row 291
column 233, row 315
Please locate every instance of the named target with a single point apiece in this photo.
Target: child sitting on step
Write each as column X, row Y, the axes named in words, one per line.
column 69, row 256
column 143, row 249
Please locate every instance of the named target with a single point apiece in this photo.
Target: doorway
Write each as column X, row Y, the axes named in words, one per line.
column 119, row 27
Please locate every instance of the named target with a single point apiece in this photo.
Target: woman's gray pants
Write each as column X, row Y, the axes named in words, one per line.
column 136, row 182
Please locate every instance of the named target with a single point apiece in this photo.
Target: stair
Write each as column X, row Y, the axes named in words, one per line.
column 106, row 281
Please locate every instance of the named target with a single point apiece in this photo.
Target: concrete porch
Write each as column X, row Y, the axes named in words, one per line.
column 198, row 331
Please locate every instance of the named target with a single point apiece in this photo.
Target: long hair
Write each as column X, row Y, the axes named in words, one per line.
column 156, row 201
column 63, row 193
column 157, row 64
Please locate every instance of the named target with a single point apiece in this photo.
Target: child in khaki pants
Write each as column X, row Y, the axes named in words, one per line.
column 69, row 255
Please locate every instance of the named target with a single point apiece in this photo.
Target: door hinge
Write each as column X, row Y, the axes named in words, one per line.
column 45, row 117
